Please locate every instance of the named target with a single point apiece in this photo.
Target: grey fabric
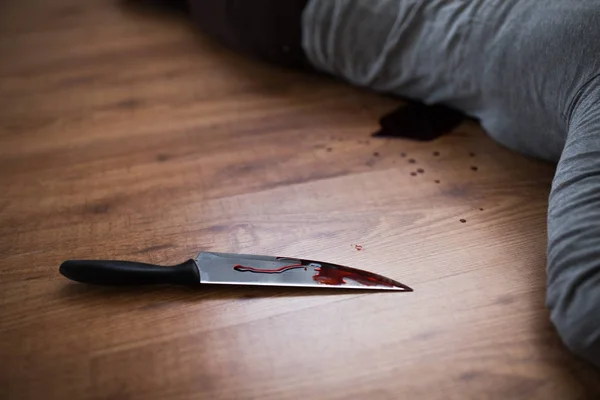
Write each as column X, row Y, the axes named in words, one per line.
column 527, row 69
column 574, row 231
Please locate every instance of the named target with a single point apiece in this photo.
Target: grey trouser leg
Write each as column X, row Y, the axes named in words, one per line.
column 574, row 232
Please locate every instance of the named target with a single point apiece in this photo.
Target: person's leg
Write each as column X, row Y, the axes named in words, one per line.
column 270, row 30
column 574, row 231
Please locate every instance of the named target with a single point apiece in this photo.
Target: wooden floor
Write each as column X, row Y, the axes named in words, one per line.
column 127, row 135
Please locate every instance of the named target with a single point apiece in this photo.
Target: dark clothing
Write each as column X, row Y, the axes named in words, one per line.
column 270, row 30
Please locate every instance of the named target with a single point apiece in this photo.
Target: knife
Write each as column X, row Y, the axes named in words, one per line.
column 229, row 269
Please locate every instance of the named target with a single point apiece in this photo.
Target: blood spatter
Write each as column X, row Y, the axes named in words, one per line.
column 242, row 268
column 463, row 221
column 329, row 274
column 335, row 276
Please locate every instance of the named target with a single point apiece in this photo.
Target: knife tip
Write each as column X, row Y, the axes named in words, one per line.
column 400, row 287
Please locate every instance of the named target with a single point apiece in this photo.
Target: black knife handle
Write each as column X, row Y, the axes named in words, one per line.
column 120, row 273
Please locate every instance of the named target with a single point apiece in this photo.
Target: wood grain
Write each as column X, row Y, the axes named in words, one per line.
column 128, row 135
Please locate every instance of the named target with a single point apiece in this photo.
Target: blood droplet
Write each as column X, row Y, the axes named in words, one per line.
column 463, row 221
column 358, row 247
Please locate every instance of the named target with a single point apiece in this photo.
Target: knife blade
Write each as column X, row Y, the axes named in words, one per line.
column 229, row 269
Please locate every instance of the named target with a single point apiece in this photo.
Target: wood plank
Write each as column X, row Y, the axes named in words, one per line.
column 128, row 135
